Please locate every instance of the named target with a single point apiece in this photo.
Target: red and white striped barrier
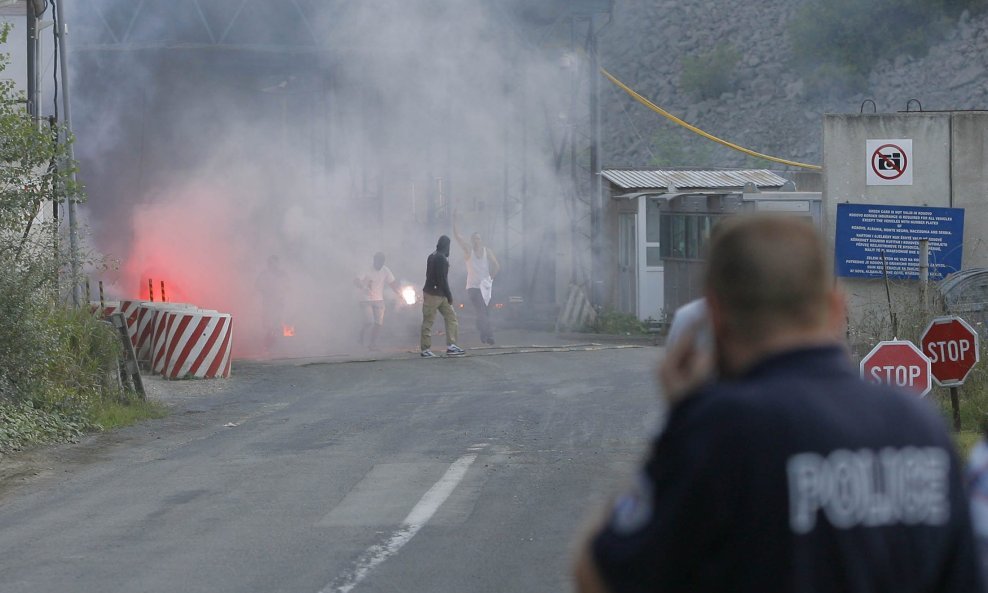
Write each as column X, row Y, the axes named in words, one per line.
column 159, row 332
column 109, row 308
column 148, row 313
column 131, row 311
column 197, row 344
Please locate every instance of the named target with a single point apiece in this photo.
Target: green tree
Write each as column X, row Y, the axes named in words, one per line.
column 709, row 75
column 34, row 173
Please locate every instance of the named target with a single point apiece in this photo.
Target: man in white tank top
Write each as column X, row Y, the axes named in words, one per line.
column 482, row 267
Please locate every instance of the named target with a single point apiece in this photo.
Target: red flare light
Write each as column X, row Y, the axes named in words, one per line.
column 288, row 331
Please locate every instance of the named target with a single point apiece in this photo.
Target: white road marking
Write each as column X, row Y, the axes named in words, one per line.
column 416, row 519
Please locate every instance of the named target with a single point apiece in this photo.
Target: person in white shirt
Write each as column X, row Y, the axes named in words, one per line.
column 371, row 284
column 482, row 267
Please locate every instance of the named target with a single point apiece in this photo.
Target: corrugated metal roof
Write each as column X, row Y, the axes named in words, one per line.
column 692, row 179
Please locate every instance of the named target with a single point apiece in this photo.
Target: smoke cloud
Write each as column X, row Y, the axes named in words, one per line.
column 255, row 155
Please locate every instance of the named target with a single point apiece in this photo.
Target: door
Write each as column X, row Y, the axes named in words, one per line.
column 627, row 263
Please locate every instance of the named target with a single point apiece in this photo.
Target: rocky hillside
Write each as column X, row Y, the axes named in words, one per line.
column 768, row 107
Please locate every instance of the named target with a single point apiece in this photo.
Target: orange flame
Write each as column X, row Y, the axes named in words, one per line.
column 288, row 330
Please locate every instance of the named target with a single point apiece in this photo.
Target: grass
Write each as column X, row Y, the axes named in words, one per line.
column 965, row 441
column 25, row 424
column 110, row 415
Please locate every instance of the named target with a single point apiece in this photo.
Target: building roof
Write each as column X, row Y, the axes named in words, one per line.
column 710, row 179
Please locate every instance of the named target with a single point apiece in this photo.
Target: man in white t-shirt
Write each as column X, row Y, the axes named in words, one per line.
column 371, row 284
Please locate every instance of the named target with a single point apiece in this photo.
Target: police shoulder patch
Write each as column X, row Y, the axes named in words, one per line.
column 633, row 509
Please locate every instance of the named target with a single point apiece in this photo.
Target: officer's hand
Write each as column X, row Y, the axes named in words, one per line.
column 686, row 366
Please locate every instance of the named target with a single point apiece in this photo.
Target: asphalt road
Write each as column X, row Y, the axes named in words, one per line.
column 433, row 476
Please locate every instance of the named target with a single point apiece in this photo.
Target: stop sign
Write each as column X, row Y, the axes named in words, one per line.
column 952, row 346
column 899, row 363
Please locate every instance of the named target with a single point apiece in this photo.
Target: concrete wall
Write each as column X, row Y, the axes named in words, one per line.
column 949, row 170
column 969, row 176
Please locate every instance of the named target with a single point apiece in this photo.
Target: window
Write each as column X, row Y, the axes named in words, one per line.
column 686, row 235
column 652, row 222
column 654, row 231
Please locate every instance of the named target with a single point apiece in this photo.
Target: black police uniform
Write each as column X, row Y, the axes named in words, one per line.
column 796, row 477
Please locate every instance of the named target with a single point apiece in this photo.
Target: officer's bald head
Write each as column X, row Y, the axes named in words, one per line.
column 769, row 274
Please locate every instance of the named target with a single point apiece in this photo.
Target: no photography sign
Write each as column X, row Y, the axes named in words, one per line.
column 890, row 162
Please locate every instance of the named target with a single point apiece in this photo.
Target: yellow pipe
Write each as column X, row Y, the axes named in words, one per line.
column 696, row 130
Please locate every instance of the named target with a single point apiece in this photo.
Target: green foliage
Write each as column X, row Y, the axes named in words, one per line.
column 838, row 42
column 614, row 322
column 673, row 146
column 709, row 75
column 110, row 414
column 965, row 440
column 58, row 365
column 23, row 424
column 677, row 147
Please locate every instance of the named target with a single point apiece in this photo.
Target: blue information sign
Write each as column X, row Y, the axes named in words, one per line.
column 866, row 231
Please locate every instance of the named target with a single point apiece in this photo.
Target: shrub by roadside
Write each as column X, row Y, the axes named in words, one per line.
column 58, row 373
column 22, row 424
column 58, row 364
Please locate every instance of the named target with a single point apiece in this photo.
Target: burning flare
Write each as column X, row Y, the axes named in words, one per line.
column 288, row 330
column 408, row 294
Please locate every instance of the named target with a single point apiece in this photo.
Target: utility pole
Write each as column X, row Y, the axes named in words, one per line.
column 597, row 274
column 596, row 205
column 62, row 29
column 32, row 60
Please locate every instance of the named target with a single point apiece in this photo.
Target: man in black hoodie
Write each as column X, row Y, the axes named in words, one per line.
column 437, row 296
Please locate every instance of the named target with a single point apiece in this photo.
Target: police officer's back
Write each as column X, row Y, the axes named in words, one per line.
column 788, row 473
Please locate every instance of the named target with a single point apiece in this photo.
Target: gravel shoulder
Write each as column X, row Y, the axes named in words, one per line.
column 185, row 400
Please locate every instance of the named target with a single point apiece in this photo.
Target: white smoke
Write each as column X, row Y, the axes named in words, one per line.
column 202, row 162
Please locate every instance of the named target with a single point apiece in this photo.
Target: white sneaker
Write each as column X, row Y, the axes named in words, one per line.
column 428, row 354
column 454, row 350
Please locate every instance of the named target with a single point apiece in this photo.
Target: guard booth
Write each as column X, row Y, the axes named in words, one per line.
column 658, row 222
column 686, row 221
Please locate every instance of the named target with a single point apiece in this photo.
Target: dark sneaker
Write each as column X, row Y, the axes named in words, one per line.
column 490, row 341
column 454, row 350
column 428, row 354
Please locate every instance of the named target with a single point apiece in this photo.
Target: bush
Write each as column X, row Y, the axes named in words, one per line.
column 837, row 43
column 615, row 322
column 709, row 75
column 673, row 146
column 22, row 424
column 57, row 364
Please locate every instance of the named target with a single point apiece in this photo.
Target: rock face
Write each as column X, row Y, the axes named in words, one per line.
column 770, row 110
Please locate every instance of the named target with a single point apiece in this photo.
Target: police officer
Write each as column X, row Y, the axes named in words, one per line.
column 787, row 473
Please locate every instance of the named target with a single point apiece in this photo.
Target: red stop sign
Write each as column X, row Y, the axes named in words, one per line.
column 899, row 363
column 952, row 347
